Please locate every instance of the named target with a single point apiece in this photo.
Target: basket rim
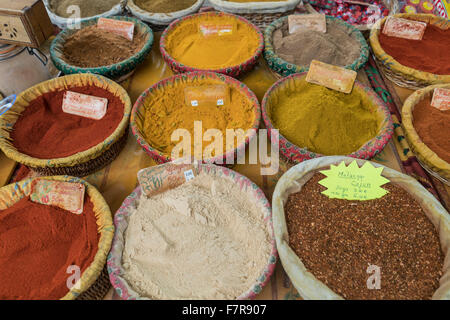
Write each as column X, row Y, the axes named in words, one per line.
column 366, row 151
column 113, row 261
column 390, row 63
column 255, row 6
column 243, row 88
column 271, row 56
column 60, row 39
column 79, row 157
column 228, row 70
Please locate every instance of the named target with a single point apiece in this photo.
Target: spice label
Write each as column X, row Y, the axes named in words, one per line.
column 65, row 195
column 441, row 99
column 209, row 96
column 158, row 179
column 213, row 29
column 332, row 77
column 404, row 28
column 353, row 182
column 84, row 105
column 122, row 28
column 313, row 21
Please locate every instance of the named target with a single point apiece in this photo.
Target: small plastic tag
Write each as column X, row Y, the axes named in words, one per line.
column 214, row 29
column 210, row 95
column 441, row 99
column 84, row 105
column 7, row 103
column 332, row 77
column 65, row 195
column 122, row 28
column 313, row 21
column 404, row 28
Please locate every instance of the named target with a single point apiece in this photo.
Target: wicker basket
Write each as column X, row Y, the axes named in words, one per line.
column 427, row 158
column 401, row 75
column 80, row 164
column 94, row 281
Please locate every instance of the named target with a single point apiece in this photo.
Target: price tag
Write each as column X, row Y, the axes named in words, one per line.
column 353, row 182
column 207, row 95
column 189, row 175
column 404, row 28
column 332, row 77
column 84, row 105
column 441, row 99
column 122, row 28
column 65, row 195
column 214, row 29
column 315, row 22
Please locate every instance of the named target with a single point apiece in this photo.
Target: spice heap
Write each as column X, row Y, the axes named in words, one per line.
column 425, row 55
column 338, row 239
column 336, row 46
column 189, row 46
column 202, row 240
column 324, row 121
column 44, row 131
column 92, row 47
column 88, row 8
column 433, row 127
column 37, row 245
column 164, row 6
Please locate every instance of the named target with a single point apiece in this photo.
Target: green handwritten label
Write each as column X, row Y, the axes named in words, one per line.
column 353, row 182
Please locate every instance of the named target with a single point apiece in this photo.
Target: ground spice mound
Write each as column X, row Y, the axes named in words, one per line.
column 335, row 46
column 37, row 245
column 92, row 47
column 429, row 54
column 44, row 131
column 433, row 127
column 338, row 239
column 164, row 6
column 88, row 8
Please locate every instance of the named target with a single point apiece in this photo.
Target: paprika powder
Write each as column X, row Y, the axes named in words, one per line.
column 44, row 131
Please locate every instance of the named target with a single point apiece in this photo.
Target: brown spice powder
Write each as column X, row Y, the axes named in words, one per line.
column 338, row 239
column 164, row 6
column 92, row 47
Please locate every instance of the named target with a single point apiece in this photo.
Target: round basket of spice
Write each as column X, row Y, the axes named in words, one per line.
column 212, row 41
column 209, row 237
column 414, row 63
column 46, row 131
column 427, row 130
column 186, row 107
column 353, row 229
column 163, row 12
column 58, row 232
column 342, row 45
column 310, row 121
column 93, row 49
column 63, row 12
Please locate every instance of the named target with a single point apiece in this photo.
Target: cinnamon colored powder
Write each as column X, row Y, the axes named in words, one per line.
column 433, row 127
column 37, row 245
column 431, row 54
column 44, row 131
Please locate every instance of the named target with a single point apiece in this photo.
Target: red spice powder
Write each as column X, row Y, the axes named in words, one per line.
column 433, row 127
column 44, row 131
column 37, row 245
column 431, row 54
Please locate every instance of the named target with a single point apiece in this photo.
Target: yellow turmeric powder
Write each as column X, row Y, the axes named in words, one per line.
column 324, row 121
column 167, row 110
column 188, row 45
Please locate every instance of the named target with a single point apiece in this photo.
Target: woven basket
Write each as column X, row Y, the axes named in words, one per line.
column 139, row 109
column 254, row 193
column 297, row 154
column 162, row 19
column 82, row 163
column 308, row 286
column 285, row 68
column 93, row 285
column 115, row 71
column 401, row 75
column 428, row 158
column 233, row 71
column 254, row 7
